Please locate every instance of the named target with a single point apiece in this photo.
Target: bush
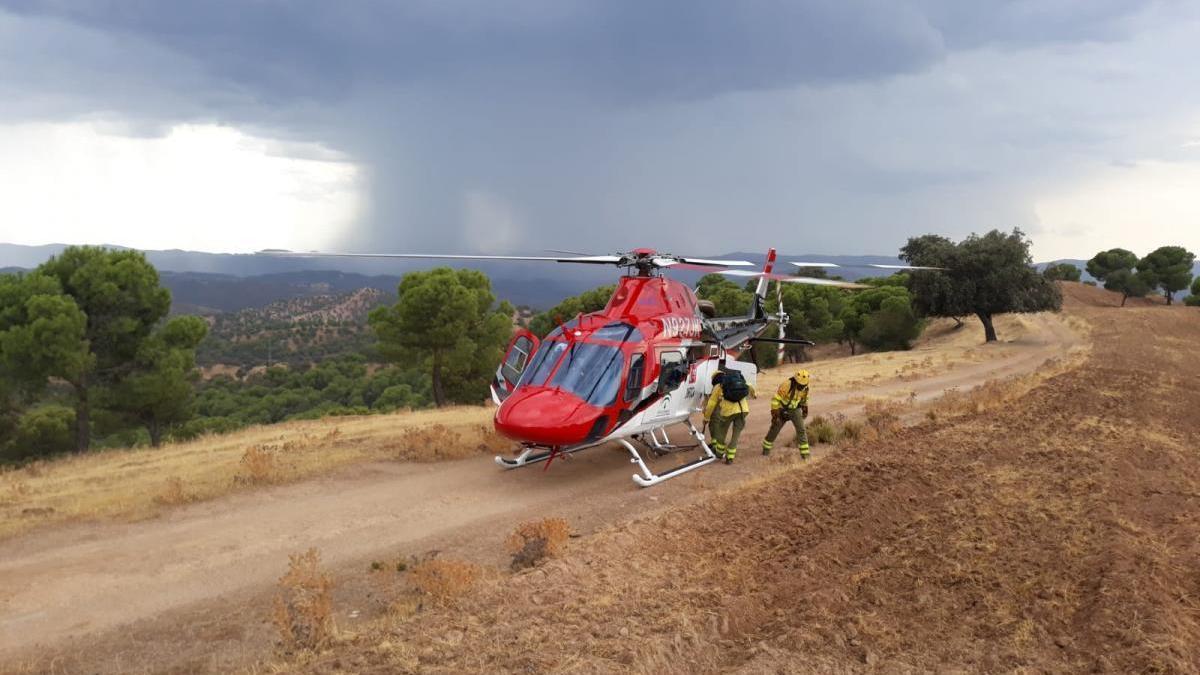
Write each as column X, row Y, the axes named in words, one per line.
column 882, row 416
column 303, row 611
column 258, row 465
column 1062, row 272
column 893, row 326
column 820, row 430
column 40, row 432
column 536, row 540
column 444, row 580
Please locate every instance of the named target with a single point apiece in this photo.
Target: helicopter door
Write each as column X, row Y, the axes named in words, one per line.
column 516, row 359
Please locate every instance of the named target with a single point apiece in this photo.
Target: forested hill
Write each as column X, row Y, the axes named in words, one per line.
column 297, row 331
column 203, row 293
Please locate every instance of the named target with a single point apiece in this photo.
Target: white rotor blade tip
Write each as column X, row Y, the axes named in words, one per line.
column 904, row 267
column 823, row 282
column 815, row 264
column 719, row 263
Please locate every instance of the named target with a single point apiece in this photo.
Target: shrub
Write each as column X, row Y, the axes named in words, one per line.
column 850, row 431
column 536, row 540
column 173, row 493
column 444, row 580
column 40, row 432
column 258, row 465
column 883, row 417
column 303, row 611
column 820, row 430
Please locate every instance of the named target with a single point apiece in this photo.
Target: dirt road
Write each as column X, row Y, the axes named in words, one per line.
column 188, row 590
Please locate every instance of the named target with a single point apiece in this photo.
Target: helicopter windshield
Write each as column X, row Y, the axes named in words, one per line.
column 591, row 371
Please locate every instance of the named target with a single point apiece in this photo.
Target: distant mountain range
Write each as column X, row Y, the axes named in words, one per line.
column 208, row 283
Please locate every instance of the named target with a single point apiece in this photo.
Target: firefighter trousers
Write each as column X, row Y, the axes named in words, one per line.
column 720, row 427
column 796, row 417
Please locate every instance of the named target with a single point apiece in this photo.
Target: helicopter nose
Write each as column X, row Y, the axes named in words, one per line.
column 549, row 417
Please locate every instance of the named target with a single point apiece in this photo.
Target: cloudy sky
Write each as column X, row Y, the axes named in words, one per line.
column 822, row 126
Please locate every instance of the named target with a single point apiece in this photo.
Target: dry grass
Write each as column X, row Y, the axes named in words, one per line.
column 444, row 580
column 536, row 540
column 258, row 466
column 437, row 442
column 941, row 348
column 129, row 484
column 303, row 609
column 996, row 393
column 173, row 493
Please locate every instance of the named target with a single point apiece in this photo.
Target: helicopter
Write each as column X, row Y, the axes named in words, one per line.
column 628, row 372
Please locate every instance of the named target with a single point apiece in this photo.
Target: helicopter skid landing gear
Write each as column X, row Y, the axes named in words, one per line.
column 533, row 455
column 648, row 478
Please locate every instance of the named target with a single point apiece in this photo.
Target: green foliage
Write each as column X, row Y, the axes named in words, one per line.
column 445, row 318
column 332, row 387
column 1193, row 300
column 85, row 328
column 1168, row 268
column 813, row 314
column 1062, row 272
column 986, row 275
column 584, row 303
column 158, row 394
column 294, row 332
column 119, row 294
column 1114, row 267
column 729, row 298
column 1104, row 263
column 42, row 332
column 880, row 318
column 44, row 430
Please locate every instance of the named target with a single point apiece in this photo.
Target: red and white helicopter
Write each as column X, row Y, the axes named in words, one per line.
column 626, row 373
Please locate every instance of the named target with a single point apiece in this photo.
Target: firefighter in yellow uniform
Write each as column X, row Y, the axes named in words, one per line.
column 725, row 416
column 790, row 405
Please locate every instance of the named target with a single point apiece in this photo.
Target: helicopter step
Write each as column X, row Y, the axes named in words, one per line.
column 648, row 477
column 662, row 447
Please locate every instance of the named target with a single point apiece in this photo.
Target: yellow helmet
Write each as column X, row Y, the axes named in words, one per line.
column 801, row 377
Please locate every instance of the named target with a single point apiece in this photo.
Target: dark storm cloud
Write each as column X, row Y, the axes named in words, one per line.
column 655, row 49
column 558, row 120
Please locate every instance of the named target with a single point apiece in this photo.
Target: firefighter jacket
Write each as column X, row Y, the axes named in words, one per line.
column 790, row 396
column 716, row 401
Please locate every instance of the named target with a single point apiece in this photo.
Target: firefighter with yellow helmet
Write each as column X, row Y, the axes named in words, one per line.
column 790, row 404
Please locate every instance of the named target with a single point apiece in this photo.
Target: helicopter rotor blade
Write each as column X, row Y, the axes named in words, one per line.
column 874, row 265
column 591, row 259
column 793, row 280
column 707, row 262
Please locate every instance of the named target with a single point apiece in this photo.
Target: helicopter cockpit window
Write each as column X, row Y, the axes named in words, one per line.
column 590, row 371
column 672, row 371
column 518, row 358
column 633, row 386
column 618, row 332
column 543, row 363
